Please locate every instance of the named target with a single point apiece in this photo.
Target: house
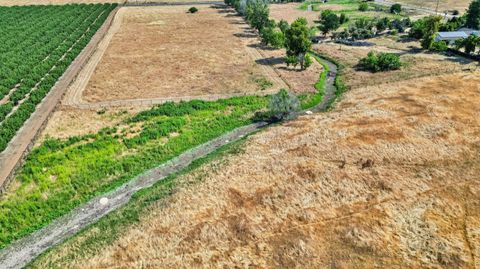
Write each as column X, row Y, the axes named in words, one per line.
column 451, row 37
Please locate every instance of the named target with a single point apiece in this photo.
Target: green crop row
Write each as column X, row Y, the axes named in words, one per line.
column 37, row 44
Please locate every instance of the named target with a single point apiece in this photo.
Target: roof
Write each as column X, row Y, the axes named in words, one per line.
column 456, row 34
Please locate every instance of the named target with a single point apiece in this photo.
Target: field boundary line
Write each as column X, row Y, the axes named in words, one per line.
column 74, row 94
column 13, row 156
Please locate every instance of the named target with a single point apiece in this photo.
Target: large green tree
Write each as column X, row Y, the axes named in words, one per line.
column 473, row 15
column 257, row 14
column 297, row 40
column 329, row 21
column 431, row 26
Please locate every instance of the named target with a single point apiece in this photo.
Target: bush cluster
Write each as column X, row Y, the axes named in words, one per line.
column 376, row 62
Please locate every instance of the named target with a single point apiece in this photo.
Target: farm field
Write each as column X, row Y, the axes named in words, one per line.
column 383, row 174
column 200, row 62
column 78, row 158
column 297, row 194
column 49, row 44
column 64, row 2
column 236, row 59
column 292, row 11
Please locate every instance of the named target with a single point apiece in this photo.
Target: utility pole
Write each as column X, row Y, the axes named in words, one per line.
column 436, row 9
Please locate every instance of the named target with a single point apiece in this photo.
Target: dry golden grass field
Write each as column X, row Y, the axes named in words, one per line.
column 416, row 63
column 290, row 13
column 389, row 179
column 166, row 52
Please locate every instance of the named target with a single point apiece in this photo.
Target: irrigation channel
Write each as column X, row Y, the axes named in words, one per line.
column 25, row 250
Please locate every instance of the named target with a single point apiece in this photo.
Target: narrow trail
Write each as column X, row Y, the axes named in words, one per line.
column 25, row 250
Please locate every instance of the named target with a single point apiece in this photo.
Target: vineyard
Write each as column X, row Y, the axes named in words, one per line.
column 37, row 44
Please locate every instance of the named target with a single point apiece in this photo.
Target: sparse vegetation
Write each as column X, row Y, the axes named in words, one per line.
column 193, row 10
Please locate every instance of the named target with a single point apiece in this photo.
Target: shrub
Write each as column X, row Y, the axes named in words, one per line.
column 363, row 7
column 271, row 36
column 291, row 60
column 283, row 104
column 439, row 46
column 396, row 8
column 343, row 18
column 193, row 10
column 308, row 61
column 376, row 62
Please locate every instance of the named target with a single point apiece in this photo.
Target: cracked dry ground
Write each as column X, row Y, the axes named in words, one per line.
column 389, row 179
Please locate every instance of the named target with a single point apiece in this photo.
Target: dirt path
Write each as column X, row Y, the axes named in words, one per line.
column 25, row 250
column 19, row 146
column 74, row 95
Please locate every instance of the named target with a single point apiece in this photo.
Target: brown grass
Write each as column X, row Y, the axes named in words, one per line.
column 166, row 52
column 290, row 13
column 389, row 179
column 416, row 63
column 175, row 55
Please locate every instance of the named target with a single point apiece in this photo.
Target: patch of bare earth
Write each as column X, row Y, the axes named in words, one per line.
column 290, row 12
column 389, row 179
column 67, row 122
column 163, row 52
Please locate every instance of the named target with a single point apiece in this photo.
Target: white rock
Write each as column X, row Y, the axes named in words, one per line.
column 104, row 201
column 308, row 112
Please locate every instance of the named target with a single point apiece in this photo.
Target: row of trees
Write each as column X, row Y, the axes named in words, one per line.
column 295, row 38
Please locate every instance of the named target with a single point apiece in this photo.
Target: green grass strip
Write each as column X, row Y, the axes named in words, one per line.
column 103, row 233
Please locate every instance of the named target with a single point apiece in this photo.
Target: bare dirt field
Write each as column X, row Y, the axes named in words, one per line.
column 290, row 13
column 166, row 52
column 389, row 179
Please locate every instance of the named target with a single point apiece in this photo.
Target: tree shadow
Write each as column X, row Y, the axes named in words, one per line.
column 245, row 35
column 270, row 61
